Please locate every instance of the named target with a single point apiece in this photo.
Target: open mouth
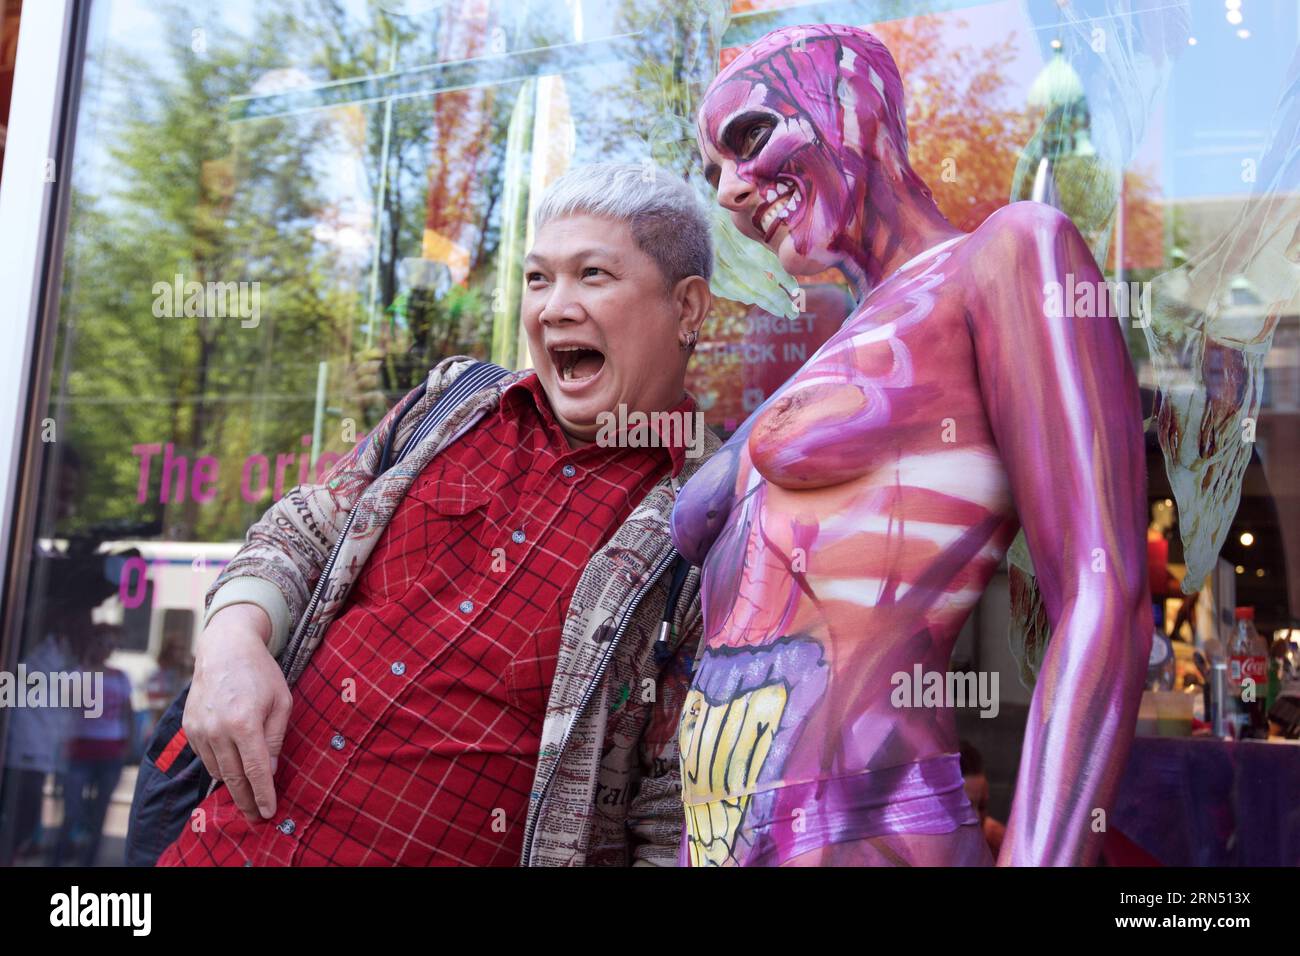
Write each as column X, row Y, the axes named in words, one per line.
column 576, row 363
column 783, row 200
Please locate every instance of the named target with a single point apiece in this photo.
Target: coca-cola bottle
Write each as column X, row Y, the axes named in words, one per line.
column 1247, row 677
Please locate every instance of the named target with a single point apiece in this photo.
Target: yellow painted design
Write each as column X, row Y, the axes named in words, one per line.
column 723, row 748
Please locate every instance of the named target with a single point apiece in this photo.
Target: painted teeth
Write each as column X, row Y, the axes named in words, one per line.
column 783, row 209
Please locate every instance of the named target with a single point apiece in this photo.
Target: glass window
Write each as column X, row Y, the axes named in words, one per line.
column 281, row 218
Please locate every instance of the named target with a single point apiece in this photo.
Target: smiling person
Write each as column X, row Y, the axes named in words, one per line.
column 484, row 680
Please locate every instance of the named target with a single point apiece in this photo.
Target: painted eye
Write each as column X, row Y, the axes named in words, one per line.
column 754, row 139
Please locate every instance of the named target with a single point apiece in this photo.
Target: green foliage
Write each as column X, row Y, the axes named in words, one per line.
column 181, row 190
column 168, row 181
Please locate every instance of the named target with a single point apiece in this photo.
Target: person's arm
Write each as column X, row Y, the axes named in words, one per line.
column 655, row 815
column 286, row 549
column 237, row 711
column 1063, row 404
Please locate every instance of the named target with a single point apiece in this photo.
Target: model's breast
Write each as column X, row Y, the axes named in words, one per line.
column 705, row 504
column 837, row 416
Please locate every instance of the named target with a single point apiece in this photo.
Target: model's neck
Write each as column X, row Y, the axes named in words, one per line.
column 901, row 223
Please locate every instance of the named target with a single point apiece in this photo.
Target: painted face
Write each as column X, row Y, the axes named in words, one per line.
column 788, row 133
column 774, row 174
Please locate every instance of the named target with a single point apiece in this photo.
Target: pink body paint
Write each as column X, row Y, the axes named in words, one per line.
column 851, row 524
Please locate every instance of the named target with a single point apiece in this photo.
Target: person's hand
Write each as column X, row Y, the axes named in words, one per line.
column 238, row 707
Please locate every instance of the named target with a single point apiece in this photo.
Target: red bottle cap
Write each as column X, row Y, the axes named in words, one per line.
column 1244, row 614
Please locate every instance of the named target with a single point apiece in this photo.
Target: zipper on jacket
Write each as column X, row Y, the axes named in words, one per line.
column 295, row 641
column 530, row 831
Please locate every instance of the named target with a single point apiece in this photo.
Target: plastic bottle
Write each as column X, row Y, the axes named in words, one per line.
column 1247, row 661
column 1220, row 701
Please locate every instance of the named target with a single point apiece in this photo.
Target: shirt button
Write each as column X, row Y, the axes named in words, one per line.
column 568, row 471
column 287, row 827
column 517, row 537
column 337, row 741
column 466, row 606
column 399, row 668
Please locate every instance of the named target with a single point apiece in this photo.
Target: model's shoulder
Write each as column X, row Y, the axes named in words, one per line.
column 1017, row 239
column 1010, row 255
column 1018, row 221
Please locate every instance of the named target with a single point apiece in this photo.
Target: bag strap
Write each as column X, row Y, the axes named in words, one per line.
column 472, row 380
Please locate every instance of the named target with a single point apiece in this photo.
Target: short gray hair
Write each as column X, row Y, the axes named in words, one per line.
column 666, row 219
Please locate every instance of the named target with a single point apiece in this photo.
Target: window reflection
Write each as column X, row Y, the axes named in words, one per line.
column 281, row 219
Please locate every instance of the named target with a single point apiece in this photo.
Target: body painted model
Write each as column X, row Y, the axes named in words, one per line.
column 850, row 525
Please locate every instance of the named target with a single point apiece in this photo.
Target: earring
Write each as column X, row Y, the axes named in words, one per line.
column 688, row 343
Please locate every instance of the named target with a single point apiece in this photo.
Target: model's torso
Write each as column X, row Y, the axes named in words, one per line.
column 868, row 511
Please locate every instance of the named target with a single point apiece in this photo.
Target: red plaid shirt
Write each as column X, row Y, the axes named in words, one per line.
column 416, row 726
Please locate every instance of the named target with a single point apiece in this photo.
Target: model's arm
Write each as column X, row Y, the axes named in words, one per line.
column 1063, row 404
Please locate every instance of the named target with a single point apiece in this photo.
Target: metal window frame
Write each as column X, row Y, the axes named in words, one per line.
column 33, row 222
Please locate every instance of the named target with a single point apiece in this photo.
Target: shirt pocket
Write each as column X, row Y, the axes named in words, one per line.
column 437, row 523
column 532, row 672
column 528, row 682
